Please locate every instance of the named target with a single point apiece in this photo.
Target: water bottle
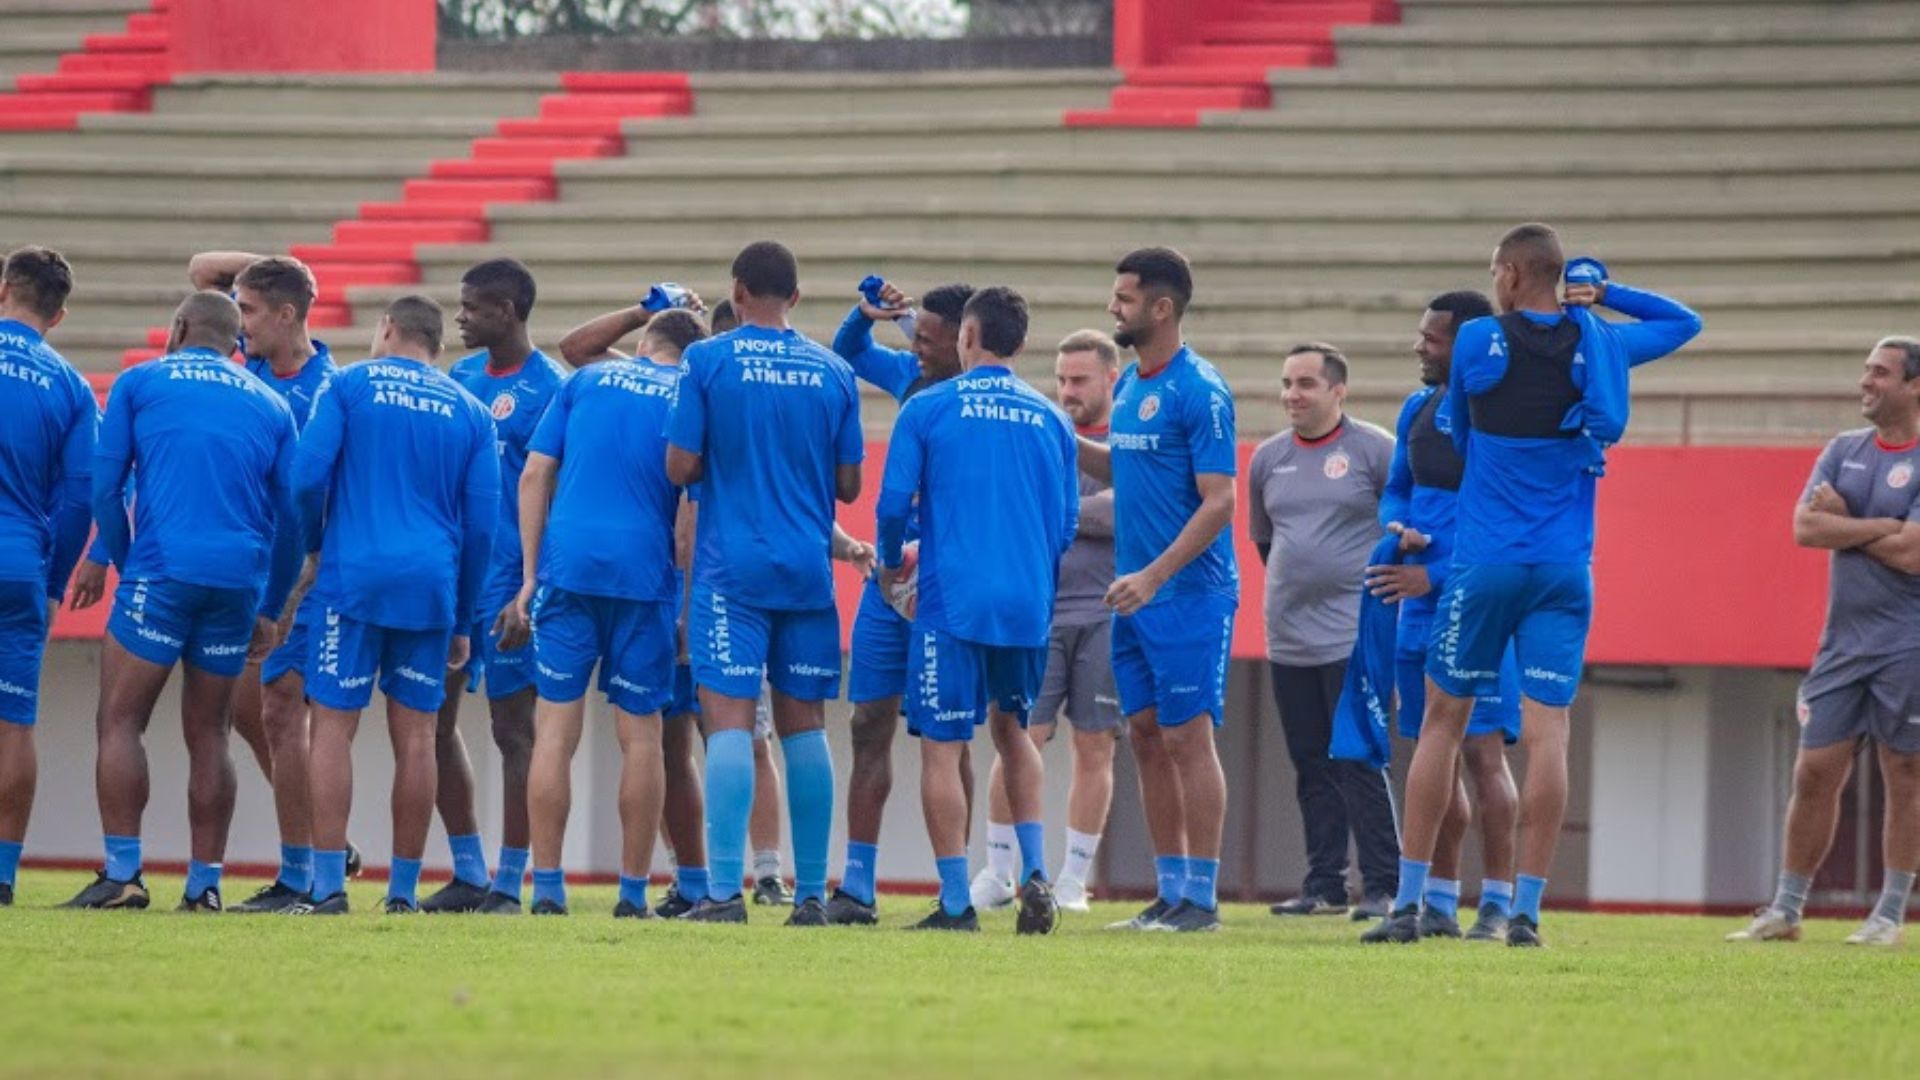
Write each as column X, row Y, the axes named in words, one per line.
column 667, row 295
column 1586, row 271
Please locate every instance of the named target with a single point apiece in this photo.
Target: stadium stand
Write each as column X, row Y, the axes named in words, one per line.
column 1760, row 161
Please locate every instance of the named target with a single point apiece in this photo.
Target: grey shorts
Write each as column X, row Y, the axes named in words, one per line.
column 1877, row 697
column 1080, row 676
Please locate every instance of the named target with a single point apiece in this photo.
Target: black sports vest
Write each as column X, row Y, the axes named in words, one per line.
column 1435, row 461
column 1534, row 396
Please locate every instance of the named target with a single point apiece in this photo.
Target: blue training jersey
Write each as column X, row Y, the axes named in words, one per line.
column 516, row 399
column 1530, row 501
column 211, row 446
column 1429, row 509
column 1168, row 428
column 610, row 527
column 772, row 413
column 48, row 423
column 301, row 388
column 892, row 370
column 399, row 486
column 995, row 466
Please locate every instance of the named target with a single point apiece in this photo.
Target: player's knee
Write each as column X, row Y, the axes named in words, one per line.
column 1901, row 770
column 872, row 729
column 1823, row 771
column 1093, row 750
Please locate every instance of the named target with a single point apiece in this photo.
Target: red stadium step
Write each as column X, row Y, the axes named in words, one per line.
column 131, row 42
column 1327, row 11
column 569, row 106
column 1197, row 75
column 90, row 82
column 44, row 103
column 423, row 211
column 505, row 168
column 353, row 255
column 147, row 23
column 410, row 232
column 562, row 127
column 586, row 82
column 1267, row 33
column 154, row 67
column 497, row 149
column 36, row 121
column 484, row 191
column 1149, row 98
column 1279, row 56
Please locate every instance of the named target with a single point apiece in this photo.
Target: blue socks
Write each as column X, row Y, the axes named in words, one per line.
column 329, row 873
column 1413, row 884
column 1203, row 878
column 633, row 890
column 1527, row 892
column 296, row 868
column 857, row 882
column 202, row 876
column 690, row 882
column 1443, row 896
column 1032, row 838
column 1497, row 892
column 469, row 859
column 512, row 872
column 955, row 897
column 729, row 779
column 403, row 879
column 809, row 770
column 1171, row 871
column 123, row 857
column 9, row 861
column 550, row 885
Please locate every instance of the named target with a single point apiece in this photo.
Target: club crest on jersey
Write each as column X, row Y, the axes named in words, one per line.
column 503, row 405
column 1900, row 475
column 1804, row 711
column 1150, row 408
column 1337, row 465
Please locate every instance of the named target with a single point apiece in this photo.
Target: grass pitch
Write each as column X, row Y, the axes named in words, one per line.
column 155, row 994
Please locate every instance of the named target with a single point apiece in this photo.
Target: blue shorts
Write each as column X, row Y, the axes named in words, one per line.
column 877, row 669
column 954, row 681
column 1172, row 657
column 1543, row 612
column 23, row 645
column 736, row 646
column 632, row 641
column 685, row 700
column 1490, row 714
column 505, row 673
column 344, row 655
column 163, row 621
column 291, row 655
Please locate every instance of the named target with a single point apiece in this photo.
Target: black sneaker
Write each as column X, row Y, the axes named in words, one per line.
column 1491, row 925
column 967, row 921
column 6, row 894
column 1524, row 933
column 547, row 907
column 1039, row 911
column 354, row 863
column 772, row 892
column 1187, row 917
column 106, row 894
column 321, row 905
column 673, row 905
column 1147, row 919
column 710, row 910
column 809, row 912
column 1435, row 923
column 456, row 897
column 1308, row 905
column 846, row 909
column 1400, row 928
column 400, row 905
column 499, row 903
column 1371, row 908
column 271, row 900
column 208, row 901
column 627, row 909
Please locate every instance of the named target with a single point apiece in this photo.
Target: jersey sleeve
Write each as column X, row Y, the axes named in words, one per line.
column 1663, row 325
column 550, row 435
column 687, row 424
column 906, row 453
column 1826, row 469
column 1208, row 418
column 1396, row 499
column 889, row 369
column 1259, row 525
column 1070, row 483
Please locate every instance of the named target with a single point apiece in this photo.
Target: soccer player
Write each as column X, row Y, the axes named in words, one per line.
column 399, row 486
column 48, row 422
column 212, row 447
column 880, row 644
column 1315, row 518
column 1419, row 506
column 768, row 423
column 1521, row 569
column 598, row 516
column 1171, row 460
column 515, row 381
column 986, row 463
column 1862, row 504
column 1079, row 676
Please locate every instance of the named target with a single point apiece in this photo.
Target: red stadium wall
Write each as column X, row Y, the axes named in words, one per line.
column 343, row 35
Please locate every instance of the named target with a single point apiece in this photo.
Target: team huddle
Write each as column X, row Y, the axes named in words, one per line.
column 659, row 528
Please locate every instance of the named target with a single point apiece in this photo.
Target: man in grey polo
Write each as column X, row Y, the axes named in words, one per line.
column 1315, row 518
column 1863, row 504
column 1079, row 658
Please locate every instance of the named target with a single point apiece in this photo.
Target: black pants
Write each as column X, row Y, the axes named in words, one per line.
column 1337, row 798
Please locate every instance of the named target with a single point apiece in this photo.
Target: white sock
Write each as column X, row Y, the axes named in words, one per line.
column 1003, row 852
column 766, row 864
column 1080, row 850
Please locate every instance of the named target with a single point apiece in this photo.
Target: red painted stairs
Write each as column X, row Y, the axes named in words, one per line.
column 449, row 204
column 110, row 73
column 1220, row 60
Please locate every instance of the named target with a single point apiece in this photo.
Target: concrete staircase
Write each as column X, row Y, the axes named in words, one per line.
column 1760, row 159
